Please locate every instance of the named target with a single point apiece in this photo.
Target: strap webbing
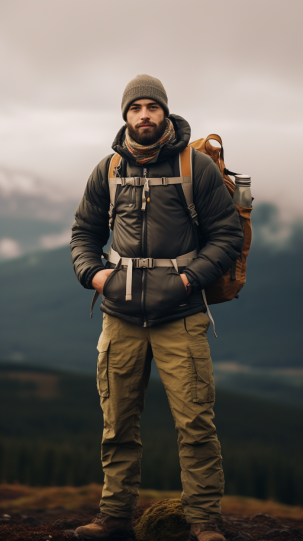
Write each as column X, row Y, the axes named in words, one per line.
column 185, row 166
column 94, row 300
column 140, row 181
column 185, row 162
column 141, row 263
column 209, row 312
column 114, row 163
column 146, row 263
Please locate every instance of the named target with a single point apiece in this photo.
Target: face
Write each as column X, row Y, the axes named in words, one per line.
column 146, row 122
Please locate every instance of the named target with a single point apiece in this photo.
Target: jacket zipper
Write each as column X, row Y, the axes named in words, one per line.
column 144, row 254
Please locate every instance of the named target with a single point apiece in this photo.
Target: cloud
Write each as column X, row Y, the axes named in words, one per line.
column 9, row 248
column 25, row 195
column 228, row 67
column 56, row 240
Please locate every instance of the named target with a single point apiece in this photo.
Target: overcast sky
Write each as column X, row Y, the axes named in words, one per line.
column 232, row 67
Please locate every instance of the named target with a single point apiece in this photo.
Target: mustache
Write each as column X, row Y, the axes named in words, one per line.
column 149, row 124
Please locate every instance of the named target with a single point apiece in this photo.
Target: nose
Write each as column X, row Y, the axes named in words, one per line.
column 144, row 113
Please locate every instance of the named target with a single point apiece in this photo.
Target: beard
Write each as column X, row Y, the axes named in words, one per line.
column 148, row 136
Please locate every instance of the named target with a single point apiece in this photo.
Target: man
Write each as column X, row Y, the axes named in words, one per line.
column 153, row 306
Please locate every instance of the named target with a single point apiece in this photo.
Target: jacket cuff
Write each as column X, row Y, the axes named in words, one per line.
column 193, row 282
column 89, row 276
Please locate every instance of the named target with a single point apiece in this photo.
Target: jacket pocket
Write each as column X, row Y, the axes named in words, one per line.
column 108, row 279
column 165, row 293
column 202, row 379
column 102, row 366
column 114, row 292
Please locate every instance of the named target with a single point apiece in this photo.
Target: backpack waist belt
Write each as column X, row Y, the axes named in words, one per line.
column 145, row 263
column 150, row 263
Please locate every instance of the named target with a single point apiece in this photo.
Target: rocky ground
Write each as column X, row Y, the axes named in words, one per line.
column 154, row 520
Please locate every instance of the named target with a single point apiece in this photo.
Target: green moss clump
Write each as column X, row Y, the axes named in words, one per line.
column 164, row 521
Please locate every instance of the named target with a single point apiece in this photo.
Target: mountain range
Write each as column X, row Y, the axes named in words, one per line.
column 45, row 312
column 33, row 215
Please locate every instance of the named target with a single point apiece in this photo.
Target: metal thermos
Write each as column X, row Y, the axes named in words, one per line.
column 242, row 195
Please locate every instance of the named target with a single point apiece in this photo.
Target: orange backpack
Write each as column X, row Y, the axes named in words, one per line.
column 229, row 285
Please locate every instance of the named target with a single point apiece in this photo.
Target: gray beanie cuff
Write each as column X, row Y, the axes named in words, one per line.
column 144, row 87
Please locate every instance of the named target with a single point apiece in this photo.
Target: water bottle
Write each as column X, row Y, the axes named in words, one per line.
column 242, row 195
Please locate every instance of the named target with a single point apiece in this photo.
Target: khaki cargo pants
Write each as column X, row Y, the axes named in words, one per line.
column 182, row 356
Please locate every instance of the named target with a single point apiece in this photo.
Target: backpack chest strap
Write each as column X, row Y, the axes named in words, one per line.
column 140, row 181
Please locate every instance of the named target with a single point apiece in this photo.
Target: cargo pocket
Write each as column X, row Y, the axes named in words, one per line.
column 202, row 379
column 102, row 367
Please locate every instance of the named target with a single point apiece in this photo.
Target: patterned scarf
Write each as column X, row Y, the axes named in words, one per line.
column 144, row 154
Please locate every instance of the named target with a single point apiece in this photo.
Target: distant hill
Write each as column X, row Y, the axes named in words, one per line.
column 45, row 312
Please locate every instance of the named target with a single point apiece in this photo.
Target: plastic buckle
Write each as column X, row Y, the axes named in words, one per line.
column 117, row 170
column 144, row 263
column 164, row 181
column 123, row 181
column 193, row 212
column 137, row 181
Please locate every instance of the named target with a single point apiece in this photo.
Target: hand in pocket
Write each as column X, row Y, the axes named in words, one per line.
column 100, row 278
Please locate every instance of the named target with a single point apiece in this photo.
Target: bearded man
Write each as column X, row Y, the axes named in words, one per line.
column 152, row 304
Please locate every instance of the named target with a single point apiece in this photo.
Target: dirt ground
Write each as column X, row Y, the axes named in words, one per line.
column 38, row 515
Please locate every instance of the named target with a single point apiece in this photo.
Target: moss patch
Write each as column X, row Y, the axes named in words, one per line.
column 164, row 520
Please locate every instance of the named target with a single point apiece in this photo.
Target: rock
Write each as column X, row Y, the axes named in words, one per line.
column 261, row 517
column 242, row 536
column 67, row 523
column 278, row 533
column 5, row 518
column 29, row 520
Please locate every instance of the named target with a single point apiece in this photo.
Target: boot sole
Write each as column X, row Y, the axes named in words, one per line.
column 126, row 535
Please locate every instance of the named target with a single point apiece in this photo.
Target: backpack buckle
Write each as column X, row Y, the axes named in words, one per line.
column 164, row 181
column 117, row 170
column 193, row 213
column 112, row 214
column 123, row 181
column 137, row 181
column 143, row 263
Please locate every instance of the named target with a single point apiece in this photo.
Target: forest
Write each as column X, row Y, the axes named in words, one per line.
column 51, row 427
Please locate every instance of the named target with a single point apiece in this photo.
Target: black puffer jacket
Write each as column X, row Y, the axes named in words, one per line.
column 163, row 231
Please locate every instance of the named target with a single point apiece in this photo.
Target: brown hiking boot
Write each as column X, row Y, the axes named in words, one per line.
column 205, row 531
column 107, row 528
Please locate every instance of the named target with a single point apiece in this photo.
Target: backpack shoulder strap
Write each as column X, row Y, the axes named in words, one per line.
column 185, row 166
column 113, row 164
column 112, row 171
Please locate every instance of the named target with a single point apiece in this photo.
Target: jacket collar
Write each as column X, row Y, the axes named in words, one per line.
column 182, row 129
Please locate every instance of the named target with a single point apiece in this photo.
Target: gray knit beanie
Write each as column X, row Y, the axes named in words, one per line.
column 144, row 86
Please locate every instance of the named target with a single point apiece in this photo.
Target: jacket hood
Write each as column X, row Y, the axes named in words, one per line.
column 182, row 129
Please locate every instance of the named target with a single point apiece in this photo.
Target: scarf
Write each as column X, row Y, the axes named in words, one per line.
column 144, row 154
